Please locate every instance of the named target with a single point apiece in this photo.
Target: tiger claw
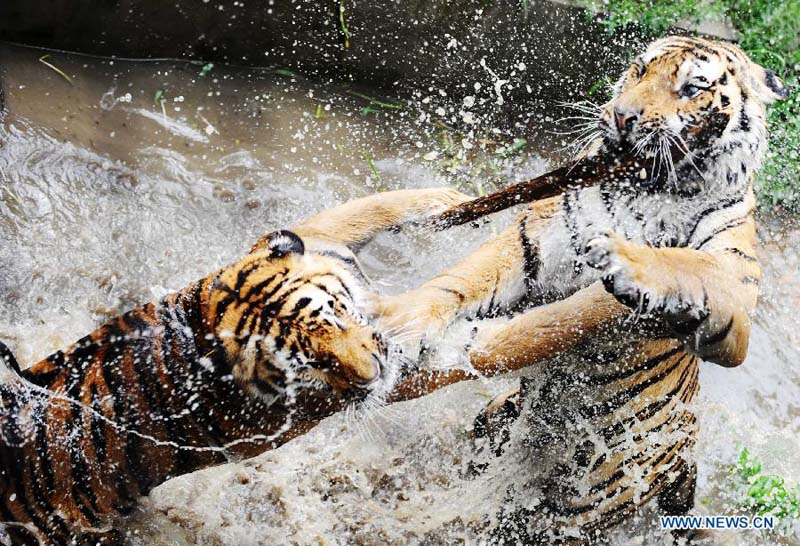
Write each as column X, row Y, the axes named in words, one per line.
column 598, row 251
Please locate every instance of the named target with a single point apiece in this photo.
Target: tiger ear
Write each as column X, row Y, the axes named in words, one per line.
column 282, row 243
column 769, row 86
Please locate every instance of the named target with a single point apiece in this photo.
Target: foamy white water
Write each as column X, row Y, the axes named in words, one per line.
column 104, row 207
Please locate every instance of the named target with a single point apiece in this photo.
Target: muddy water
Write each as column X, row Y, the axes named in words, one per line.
column 132, row 179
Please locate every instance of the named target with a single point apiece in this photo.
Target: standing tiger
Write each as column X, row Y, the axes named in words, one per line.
column 234, row 364
column 607, row 425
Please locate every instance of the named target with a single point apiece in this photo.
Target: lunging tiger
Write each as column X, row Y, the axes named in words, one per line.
column 234, row 364
column 606, row 424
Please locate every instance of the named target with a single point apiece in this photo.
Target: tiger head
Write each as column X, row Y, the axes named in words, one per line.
column 296, row 325
column 696, row 108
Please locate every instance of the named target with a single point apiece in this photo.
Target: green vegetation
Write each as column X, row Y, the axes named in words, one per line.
column 160, row 99
column 343, row 25
column 765, row 494
column 376, row 175
column 283, row 72
column 769, row 31
column 206, row 69
column 375, row 105
column 517, row 145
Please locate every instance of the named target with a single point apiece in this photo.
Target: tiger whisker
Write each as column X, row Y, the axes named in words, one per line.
column 403, row 319
column 578, row 121
column 370, row 426
column 582, row 106
column 592, row 119
column 679, row 141
column 671, row 173
column 665, row 157
column 579, row 130
column 643, row 143
column 401, row 328
column 657, row 161
column 391, row 414
column 406, row 336
column 581, row 144
column 587, row 134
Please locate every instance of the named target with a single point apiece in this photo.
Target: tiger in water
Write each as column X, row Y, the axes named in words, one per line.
column 625, row 287
column 234, row 364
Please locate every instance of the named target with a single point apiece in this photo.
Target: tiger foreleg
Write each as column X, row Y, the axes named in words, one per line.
column 354, row 223
column 695, row 294
column 492, row 279
column 544, row 332
column 460, row 291
column 677, row 498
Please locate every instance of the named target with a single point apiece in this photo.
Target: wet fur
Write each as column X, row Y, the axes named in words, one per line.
column 628, row 287
column 235, row 364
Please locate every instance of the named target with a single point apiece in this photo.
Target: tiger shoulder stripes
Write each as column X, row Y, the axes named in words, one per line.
column 234, row 364
column 606, row 424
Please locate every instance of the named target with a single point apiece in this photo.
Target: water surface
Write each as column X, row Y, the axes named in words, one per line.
column 134, row 178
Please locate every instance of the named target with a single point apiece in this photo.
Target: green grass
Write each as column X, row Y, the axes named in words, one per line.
column 765, row 494
column 343, row 25
column 769, row 31
column 375, row 105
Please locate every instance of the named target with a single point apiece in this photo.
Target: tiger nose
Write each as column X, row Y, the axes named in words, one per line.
column 625, row 120
column 371, row 374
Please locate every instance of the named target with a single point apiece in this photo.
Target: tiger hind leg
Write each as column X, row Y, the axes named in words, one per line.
column 677, row 500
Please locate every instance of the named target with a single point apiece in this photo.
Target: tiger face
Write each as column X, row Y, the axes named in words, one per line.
column 688, row 101
column 296, row 325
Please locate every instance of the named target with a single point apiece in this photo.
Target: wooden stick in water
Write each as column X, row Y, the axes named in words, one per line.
column 586, row 172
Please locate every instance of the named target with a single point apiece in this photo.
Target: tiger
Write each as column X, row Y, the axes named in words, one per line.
column 232, row 365
column 611, row 295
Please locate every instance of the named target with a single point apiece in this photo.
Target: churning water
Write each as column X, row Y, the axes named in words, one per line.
column 133, row 179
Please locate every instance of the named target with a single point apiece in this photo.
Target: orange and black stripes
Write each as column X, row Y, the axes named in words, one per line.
column 638, row 420
column 237, row 363
column 158, row 392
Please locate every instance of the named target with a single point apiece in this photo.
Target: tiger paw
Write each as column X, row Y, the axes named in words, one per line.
column 600, row 250
column 682, row 308
column 633, row 275
column 602, row 253
column 437, row 200
column 414, row 321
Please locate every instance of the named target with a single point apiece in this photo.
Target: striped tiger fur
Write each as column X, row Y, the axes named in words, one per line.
column 232, row 365
column 607, row 424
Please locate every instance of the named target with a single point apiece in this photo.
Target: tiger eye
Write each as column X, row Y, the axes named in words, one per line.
column 689, row 91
